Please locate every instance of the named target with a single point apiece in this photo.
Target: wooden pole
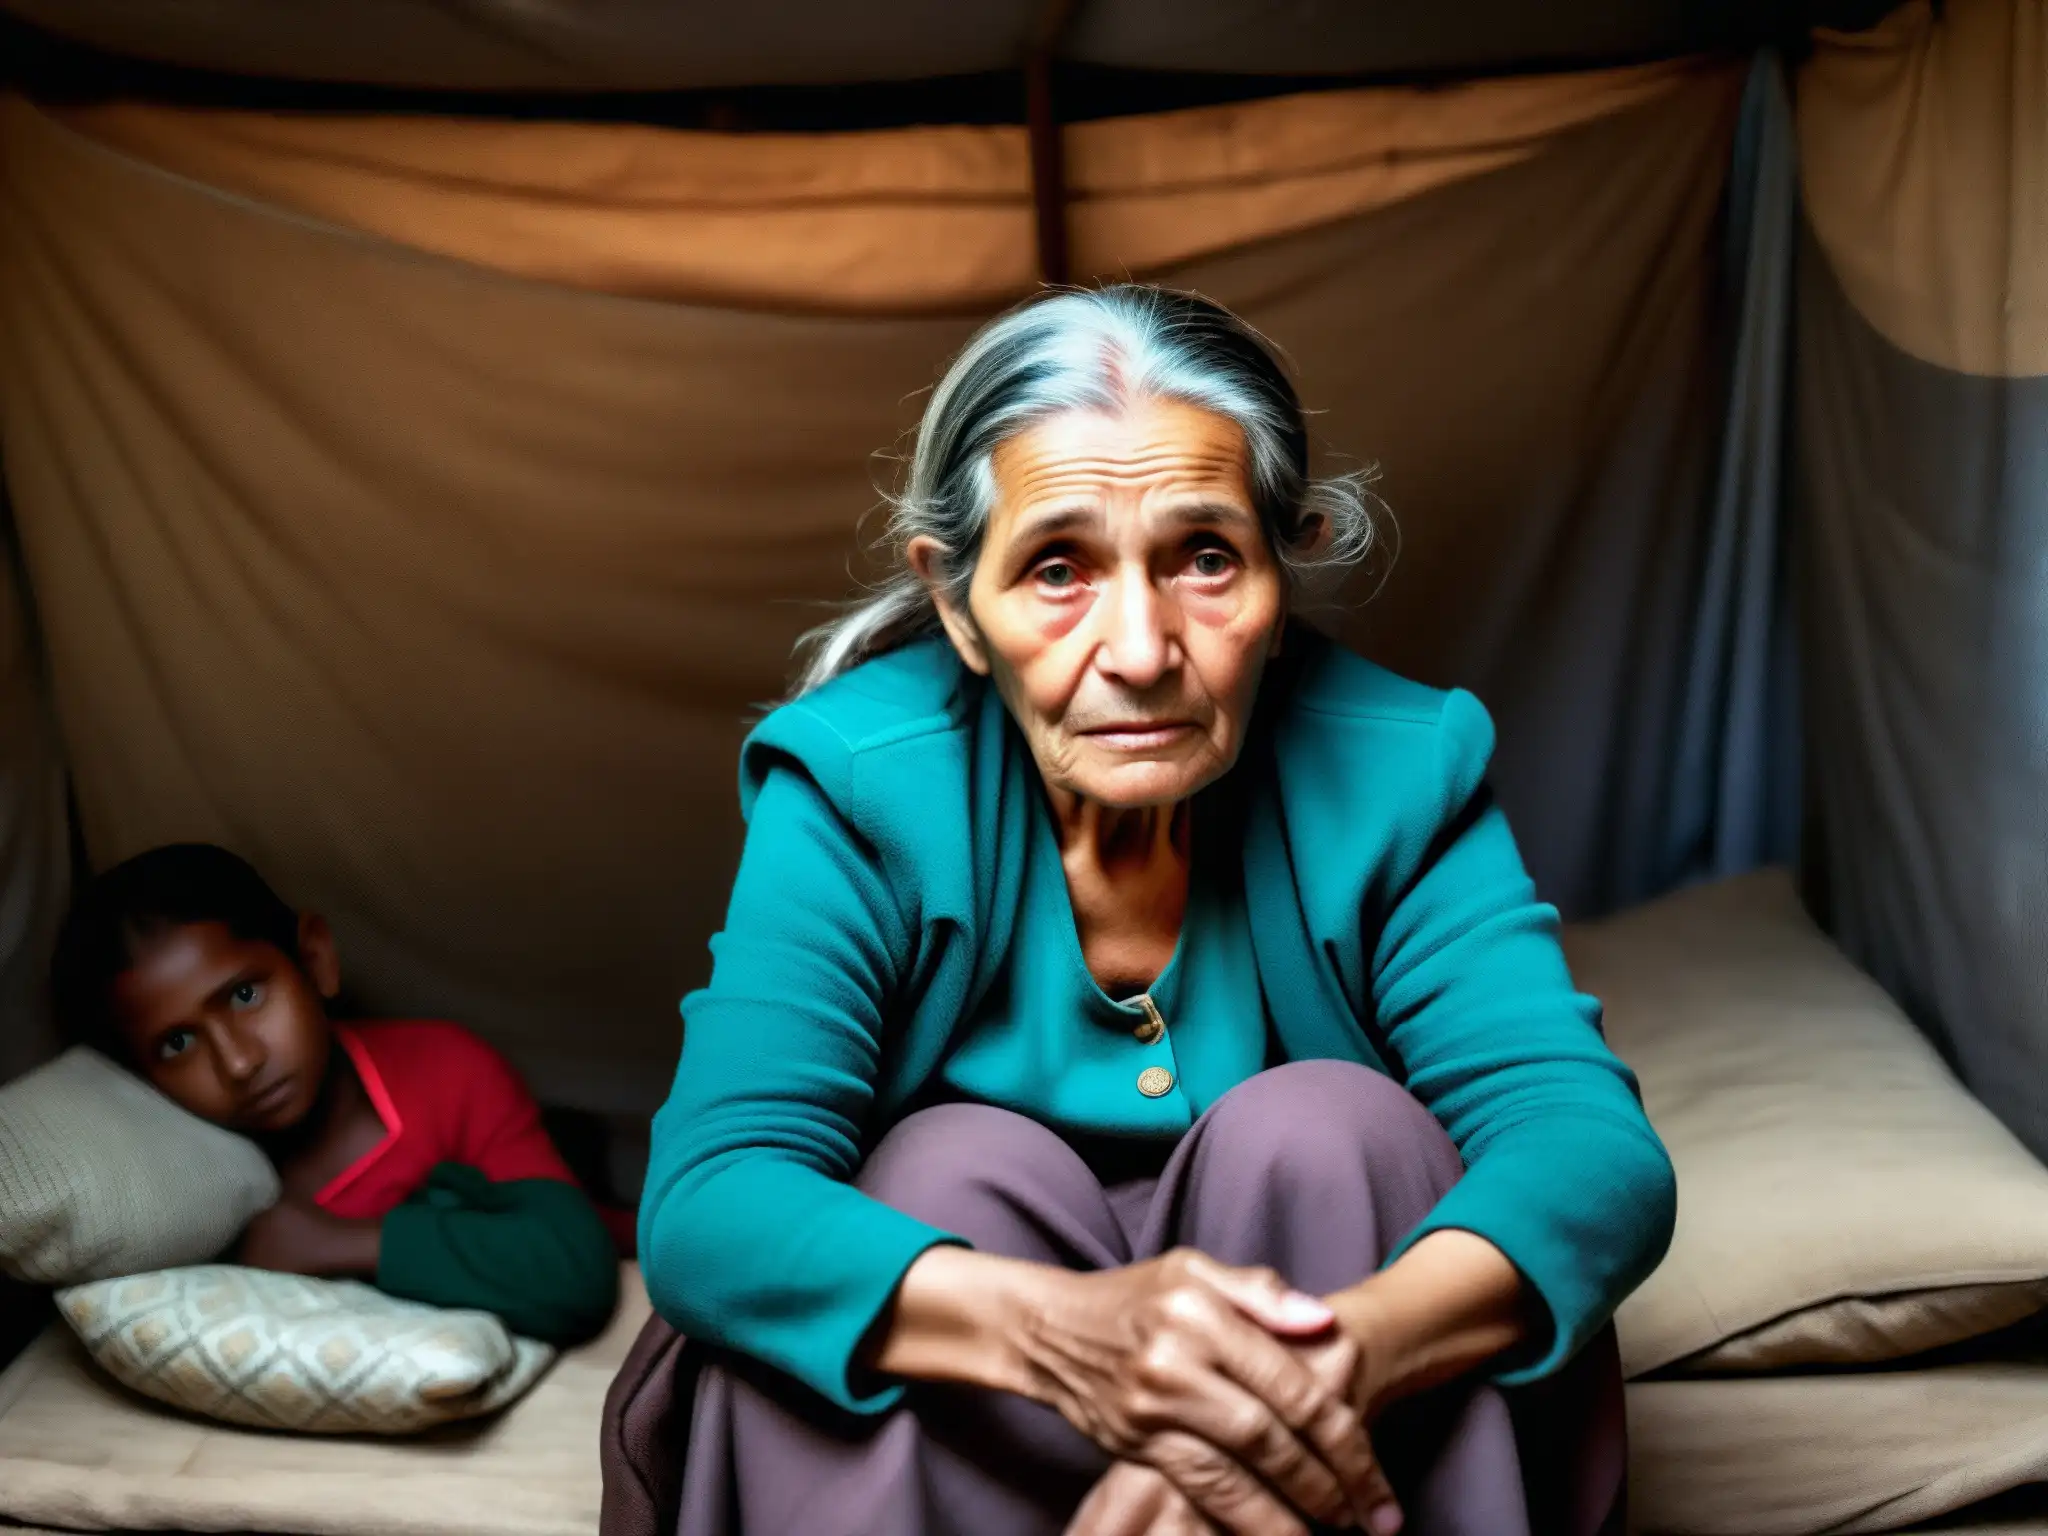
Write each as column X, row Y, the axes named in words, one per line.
column 1048, row 158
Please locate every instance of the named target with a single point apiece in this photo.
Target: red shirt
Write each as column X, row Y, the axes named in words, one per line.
column 444, row 1097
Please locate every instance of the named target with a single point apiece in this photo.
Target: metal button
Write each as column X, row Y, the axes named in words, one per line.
column 1155, row 1082
column 1154, row 1027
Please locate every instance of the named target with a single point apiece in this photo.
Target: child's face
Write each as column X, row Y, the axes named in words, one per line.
column 232, row 1030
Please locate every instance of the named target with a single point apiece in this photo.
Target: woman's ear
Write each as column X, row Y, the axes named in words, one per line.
column 1313, row 533
column 927, row 560
column 319, row 957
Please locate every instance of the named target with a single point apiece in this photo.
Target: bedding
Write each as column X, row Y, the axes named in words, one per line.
column 1838, row 1452
column 101, row 1175
column 1970, row 1524
column 277, row 1351
column 1842, row 1199
column 79, row 1452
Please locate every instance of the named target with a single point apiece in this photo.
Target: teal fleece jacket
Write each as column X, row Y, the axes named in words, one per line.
column 1393, row 922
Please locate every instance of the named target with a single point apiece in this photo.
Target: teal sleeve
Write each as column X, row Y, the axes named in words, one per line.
column 752, row 1235
column 1563, row 1172
column 533, row 1251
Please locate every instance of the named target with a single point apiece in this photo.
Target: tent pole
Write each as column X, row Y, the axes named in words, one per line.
column 1048, row 159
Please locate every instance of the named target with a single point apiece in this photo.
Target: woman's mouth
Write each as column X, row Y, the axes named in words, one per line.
column 1140, row 735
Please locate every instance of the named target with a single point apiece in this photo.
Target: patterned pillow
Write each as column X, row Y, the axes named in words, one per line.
column 275, row 1351
column 102, row 1175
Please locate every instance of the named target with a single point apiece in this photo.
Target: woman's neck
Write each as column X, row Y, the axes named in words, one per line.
column 1119, row 841
column 1127, row 881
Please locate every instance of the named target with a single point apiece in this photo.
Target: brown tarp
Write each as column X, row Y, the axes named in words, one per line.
column 917, row 220
column 445, row 594
column 1924, row 145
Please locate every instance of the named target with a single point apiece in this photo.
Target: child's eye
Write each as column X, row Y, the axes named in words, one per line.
column 247, row 995
column 176, row 1043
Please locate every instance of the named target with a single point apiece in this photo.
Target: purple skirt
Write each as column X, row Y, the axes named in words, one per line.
column 1315, row 1169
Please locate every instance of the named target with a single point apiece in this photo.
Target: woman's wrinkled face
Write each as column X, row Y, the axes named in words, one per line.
column 1125, row 602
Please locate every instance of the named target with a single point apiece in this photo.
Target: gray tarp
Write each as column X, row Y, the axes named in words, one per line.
column 1735, row 790
column 1924, row 495
column 1922, row 498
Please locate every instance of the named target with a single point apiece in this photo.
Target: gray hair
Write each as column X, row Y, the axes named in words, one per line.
column 1095, row 349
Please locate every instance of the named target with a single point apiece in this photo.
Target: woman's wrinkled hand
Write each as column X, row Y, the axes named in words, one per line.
column 1230, row 1384
column 1131, row 1499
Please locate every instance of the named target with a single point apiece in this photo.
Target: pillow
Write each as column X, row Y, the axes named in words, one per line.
column 79, row 1452
column 101, row 1175
column 1834, row 1453
column 1841, row 1198
column 250, row 1346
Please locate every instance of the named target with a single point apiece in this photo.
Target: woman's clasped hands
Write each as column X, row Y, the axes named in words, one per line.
column 1230, row 1400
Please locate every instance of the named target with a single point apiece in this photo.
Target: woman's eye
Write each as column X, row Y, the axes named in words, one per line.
column 176, row 1043
column 1212, row 563
column 247, row 994
column 1057, row 573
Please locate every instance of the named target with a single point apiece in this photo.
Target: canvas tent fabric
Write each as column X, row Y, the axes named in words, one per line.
column 1922, row 499
column 446, row 595
column 35, row 851
column 613, row 45
column 441, row 572
column 1924, row 143
column 910, row 221
column 1736, row 770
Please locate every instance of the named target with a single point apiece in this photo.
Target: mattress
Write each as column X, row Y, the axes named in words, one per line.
column 78, row 1452
column 1842, row 1453
column 1747, row 1456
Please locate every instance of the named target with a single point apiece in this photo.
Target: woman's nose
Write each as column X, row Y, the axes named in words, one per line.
column 1137, row 646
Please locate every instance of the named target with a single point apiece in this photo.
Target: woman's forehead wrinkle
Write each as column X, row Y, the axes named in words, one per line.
column 1041, row 468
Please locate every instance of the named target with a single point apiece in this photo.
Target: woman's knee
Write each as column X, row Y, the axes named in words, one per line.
column 996, row 1178
column 1308, row 1123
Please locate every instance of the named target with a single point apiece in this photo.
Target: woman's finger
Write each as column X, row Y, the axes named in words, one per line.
column 1264, row 1297
column 1179, row 1519
column 1130, row 1499
column 1220, row 1489
column 1314, row 1410
column 1250, row 1434
column 1325, row 1421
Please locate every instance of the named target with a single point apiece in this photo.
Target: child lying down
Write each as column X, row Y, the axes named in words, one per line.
column 409, row 1153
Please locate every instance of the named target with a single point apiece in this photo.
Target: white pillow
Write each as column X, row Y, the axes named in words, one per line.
column 1841, row 1198
column 101, row 1175
column 249, row 1346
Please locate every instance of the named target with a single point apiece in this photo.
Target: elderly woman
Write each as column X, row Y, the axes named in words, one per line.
column 1137, row 1089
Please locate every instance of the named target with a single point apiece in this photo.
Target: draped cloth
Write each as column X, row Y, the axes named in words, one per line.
column 424, row 507
column 1922, row 496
